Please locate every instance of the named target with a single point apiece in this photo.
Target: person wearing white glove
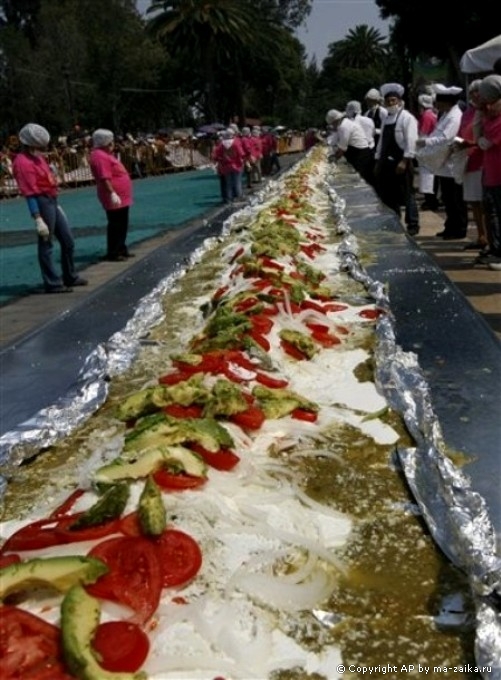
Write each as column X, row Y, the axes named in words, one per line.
column 114, row 192
column 42, row 229
column 37, row 184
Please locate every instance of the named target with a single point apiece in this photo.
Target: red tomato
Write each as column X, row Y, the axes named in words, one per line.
column 135, row 576
column 325, row 339
column 174, row 378
column 130, row 525
column 261, row 323
column 246, row 304
column 251, row 419
column 122, row 646
column 370, row 313
column 48, row 532
column 29, row 647
column 178, row 411
column 292, row 350
column 180, row 557
column 335, row 307
column 220, row 292
column 304, row 414
column 171, row 481
column 268, row 381
column 7, row 560
column 260, row 339
column 310, row 304
column 224, row 459
column 318, row 327
column 66, row 505
column 271, row 264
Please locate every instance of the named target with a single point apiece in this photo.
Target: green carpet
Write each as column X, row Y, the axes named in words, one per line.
column 160, row 204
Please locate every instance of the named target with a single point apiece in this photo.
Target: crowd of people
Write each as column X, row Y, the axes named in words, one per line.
column 452, row 140
column 249, row 153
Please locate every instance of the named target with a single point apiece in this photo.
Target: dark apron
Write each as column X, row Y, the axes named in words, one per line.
column 392, row 188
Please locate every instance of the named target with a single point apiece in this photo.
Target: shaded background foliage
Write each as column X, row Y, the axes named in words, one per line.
column 187, row 62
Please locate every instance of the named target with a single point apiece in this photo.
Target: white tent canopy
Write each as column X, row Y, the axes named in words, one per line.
column 481, row 59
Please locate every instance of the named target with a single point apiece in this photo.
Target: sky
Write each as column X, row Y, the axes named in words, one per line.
column 329, row 21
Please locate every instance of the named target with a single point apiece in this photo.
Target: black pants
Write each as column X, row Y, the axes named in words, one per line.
column 397, row 190
column 456, row 213
column 116, row 234
column 363, row 162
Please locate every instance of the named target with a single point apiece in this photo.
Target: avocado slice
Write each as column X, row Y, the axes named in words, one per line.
column 151, row 460
column 59, row 572
column 80, row 616
column 160, row 431
column 110, row 506
column 151, row 509
column 277, row 403
column 303, row 343
column 145, row 401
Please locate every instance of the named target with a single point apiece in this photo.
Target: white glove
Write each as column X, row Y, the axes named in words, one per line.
column 42, row 228
column 484, row 143
column 115, row 199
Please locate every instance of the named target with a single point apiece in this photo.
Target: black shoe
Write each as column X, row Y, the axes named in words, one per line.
column 116, row 258
column 429, row 206
column 59, row 289
column 454, row 237
column 79, row 282
column 441, row 234
column 413, row 231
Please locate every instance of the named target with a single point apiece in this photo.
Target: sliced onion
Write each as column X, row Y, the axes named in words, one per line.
column 273, row 591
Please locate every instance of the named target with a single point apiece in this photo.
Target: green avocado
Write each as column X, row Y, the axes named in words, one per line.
column 277, row 403
column 158, row 431
column 80, row 616
column 303, row 343
column 59, row 572
column 151, row 460
column 145, row 401
column 110, row 506
column 151, row 509
column 225, row 400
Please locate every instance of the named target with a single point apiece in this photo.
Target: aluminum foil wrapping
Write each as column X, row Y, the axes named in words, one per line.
column 457, row 516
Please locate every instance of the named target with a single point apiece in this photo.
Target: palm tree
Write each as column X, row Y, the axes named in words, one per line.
column 205, row 33
column 363, row 47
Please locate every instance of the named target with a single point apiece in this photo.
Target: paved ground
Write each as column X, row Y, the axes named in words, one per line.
column 481, row 286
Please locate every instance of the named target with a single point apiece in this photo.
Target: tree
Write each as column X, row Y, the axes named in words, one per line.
column 363, row 47
column 420, row 29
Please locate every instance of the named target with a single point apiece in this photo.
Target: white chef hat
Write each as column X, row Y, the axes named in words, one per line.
column 442, row 91
column 373, row 95
column 353, row 108
column 392, row 89
column 426, row 101
column 101, row 138
column 333, row 116
column 34, row 135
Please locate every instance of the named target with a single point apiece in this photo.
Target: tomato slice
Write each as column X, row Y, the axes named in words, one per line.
column 178, row 411
column 121, row 645
column 370, row 313
column 261, row 323
column 7, row 560
column 171, row 481
column 260, row 339
column 174, row 378
column 224, row 459
column 325, row 339
column 45, row 533
column 180, row 557
column 310, row 304
column 67, row 505
column 304, row 414
column 135, row 576
column 29, row 647
column 251, row 419
column 269, row 381
column 130, row 525
column 292, row 350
